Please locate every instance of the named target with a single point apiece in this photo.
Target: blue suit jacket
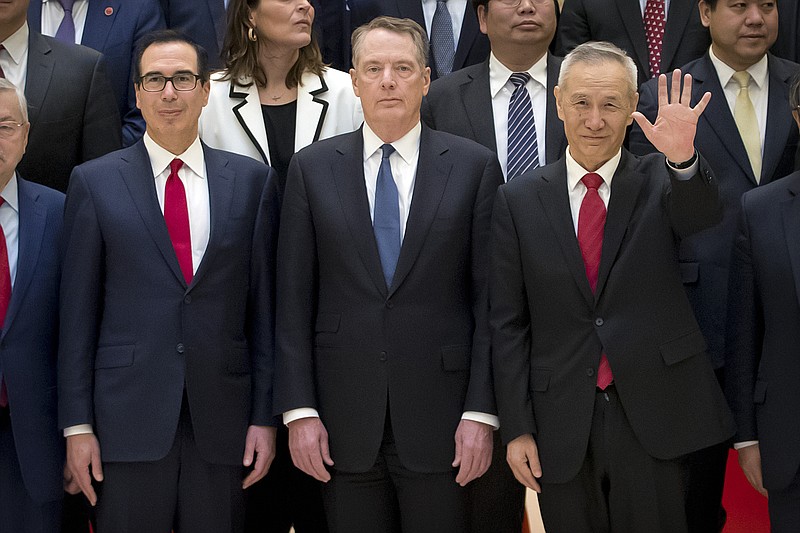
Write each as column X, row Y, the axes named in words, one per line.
column 112, row 28
column 29, row 339
column 134, row 335
column 203, row 21
column 705, row 257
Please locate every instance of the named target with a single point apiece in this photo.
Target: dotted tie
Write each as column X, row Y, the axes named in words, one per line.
column 654, row 20
column 442, row 45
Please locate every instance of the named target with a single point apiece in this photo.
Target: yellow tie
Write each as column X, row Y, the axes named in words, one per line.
column 745, row 116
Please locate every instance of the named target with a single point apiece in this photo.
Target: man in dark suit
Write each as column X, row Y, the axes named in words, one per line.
column 470, row 46
column 203, row 21
column 763, row 153
column 787, row 44
column 71, row 105
column 31, row 448
column 111, row 27
column 763, row 370
column 622, row 22
column 602, row 381
column 332, row 25
column 476, row 102
column 383, row 372
column 165, row 364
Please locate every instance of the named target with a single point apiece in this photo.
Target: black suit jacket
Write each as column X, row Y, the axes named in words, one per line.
column 705, row 257
column 348, row 345
column 71, row 108
column 203, row 21
column 548, row 329
column 472, row 47
column 134, row 335
column 787, row 45
column 763, row 369
column 332, row 26
column 620, row 22
column 461, row 104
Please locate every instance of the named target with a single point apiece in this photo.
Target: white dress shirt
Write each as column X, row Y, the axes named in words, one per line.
column 9, row 219
column 14, row 59
column 404, row 171
column 758, row 89
column 456, row 8
column 53, row 14
column 501, row 89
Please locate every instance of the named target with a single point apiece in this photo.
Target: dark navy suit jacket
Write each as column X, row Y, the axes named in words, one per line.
column 203, row 21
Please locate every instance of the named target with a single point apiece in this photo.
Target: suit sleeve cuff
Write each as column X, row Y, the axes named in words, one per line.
column 744, row 444
column 296, row 414
column 685, row 170
column 483, row 418
column 80, row 429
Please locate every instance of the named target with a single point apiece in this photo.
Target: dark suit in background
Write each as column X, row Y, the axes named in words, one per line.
column 787, row 45
column 31, row 446
column 203, row 21
column 72, row 110
column 620, row 22
column 332, row 24
column 763, row 370
column 472, row 46
column 112, row 28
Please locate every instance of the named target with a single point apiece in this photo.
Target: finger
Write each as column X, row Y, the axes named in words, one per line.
column 675, row 90
column 466, row 471
column 317, row 467
column 97, row 466
column 641, row 120
column 258, row 472
column 686, row 94
column 326, row 452
column 662, row 90
column 524, row 476
column 701, row 105
column 457, row 458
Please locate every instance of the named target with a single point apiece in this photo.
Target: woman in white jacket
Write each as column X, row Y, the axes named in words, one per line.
column 275, row 96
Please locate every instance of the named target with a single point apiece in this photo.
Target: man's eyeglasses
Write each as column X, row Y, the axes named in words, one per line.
column 184, row 81
column 516, row 3
column 9, row 128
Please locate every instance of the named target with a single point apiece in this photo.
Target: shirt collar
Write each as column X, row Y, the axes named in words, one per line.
column 575, row 171
column 17, row 44
column 11, row 193
column 499, row 73
column 160, row 158
column 407, row 145
column 758, row 71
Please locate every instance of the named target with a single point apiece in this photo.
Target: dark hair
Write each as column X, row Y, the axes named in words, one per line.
column 241, row 54
column 395, row 25
column 163, row 37
column 711, row 3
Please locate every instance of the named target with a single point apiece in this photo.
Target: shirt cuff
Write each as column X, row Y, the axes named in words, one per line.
column 483, row 418
column 744, row 444
column 80, row 429
column 296, row 414
column 684, row 174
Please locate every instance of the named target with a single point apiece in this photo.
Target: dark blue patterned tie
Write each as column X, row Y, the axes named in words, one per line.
column 66, row 30
column 523, row 149
column 442, row 45
column 386, row 217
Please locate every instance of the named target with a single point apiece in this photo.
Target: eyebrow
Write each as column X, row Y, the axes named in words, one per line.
column 159, row 73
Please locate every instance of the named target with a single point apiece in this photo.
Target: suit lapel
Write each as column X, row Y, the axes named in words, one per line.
column 433, row 172
column 246, row 107
column 40, row 70
column 556, row 141
column 411, row 9
column 32, row 220
column 138, row 177
column 791, row 224
column 98, row 23
column 624, row 191
column 554, row 202
column 779, row 122
column 347, row 170
column 680, row 12
column 476, row 96
column 312, row 107
column 630, row 12
column 221, row 179
column 469, row 32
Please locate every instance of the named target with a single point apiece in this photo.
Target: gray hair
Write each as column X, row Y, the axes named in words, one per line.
column 394, row 25
column 597, row 53
column 5, row 86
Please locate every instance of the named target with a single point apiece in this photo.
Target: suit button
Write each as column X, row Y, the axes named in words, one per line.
column 389, row 304
column 590, row 372
column 383, row 356
column 187, row 299
column 180, row 347
column 598, row 321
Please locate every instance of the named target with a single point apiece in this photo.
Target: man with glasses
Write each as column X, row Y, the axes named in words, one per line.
column 165, row 355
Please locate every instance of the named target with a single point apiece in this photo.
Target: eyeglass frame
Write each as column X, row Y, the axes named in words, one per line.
column 17, row 126
column 197, row 77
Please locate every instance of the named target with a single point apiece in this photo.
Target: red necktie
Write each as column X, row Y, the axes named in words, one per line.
column 5, row 297
column 591, row 224
column 176, row 215
column 654, row 20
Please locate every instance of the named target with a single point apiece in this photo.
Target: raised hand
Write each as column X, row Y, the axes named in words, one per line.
column 674, row 130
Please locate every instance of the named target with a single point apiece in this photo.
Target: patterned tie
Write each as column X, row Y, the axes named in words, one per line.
column 523, row 149
column 444, row 50
column 5, row 298
column 176, row 215
column 591, row 224
column 386, row 217
column 744, row 114
column 654, row 20
column 66, row 30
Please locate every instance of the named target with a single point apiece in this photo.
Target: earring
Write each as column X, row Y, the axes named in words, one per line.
column 251, row 34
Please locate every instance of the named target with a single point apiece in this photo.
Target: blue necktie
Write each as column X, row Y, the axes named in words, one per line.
column 442, row 46
column 523, row 149
column 66, row 30
column 386, row 217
